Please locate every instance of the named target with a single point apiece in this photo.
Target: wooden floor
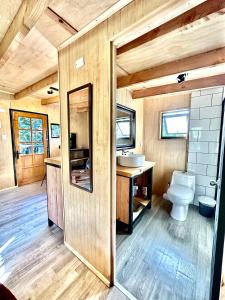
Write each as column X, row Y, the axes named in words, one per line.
column 166, row 259
column 34, row 263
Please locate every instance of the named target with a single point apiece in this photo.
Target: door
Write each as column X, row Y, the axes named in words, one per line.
column 30, row 146
column 219, row 229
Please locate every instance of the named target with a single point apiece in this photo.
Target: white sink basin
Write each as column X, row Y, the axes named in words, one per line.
column 131, row 160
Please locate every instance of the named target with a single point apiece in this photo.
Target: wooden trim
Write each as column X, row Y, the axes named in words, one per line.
column 108, row 13
column 26, row 17
column 197, row 13
column 206, row 59
column 53, row 78
column 190, row 85
column 59, row 20
column 92, row 268
column 50, row 100
column 6, row 96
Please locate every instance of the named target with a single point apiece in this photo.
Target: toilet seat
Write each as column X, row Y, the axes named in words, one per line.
column 177, row 192
column 181, row 193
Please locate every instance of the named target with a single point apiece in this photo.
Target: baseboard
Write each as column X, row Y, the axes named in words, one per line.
column 124, row 291
column 92, row 268
column 9, row 188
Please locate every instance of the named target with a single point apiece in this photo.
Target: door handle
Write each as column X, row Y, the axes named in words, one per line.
column 17, row 154
column 214, row 183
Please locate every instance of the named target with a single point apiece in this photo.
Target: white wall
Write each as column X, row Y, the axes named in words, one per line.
column 204, row 131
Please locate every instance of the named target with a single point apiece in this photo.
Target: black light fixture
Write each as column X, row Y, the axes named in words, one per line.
column 52, row 90
column 181, row 77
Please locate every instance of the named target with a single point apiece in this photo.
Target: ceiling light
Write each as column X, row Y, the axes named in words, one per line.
column 181, row 77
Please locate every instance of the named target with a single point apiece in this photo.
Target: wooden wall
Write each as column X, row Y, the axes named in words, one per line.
column 123, row 96
column 171, row 154
column 6, row 158
column 90, row 218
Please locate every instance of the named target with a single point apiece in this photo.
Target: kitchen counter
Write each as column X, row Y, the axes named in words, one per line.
column 54, row 161
column 131, row 172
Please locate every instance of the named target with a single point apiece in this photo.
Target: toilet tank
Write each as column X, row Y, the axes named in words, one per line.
column 183, row 178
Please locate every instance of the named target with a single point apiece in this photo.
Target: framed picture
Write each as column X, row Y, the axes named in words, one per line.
column 55, row 130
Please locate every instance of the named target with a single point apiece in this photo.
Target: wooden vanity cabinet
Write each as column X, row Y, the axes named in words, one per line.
column 130, row 207
column 54, row 194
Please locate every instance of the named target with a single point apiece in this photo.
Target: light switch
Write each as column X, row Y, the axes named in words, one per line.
column 79, row 63
column 4, row 137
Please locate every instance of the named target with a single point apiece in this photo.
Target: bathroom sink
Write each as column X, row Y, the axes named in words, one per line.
column 131, row 160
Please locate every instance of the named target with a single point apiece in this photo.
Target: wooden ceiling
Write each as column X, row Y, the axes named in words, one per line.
column 30, row 54
column 31, row 31
column 184, row 44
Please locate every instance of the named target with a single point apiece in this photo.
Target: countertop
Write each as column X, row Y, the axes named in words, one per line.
column 53, row 161
column 131, row 172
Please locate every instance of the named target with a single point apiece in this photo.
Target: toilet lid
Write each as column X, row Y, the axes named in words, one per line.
column 207, row 201
column 181, row 191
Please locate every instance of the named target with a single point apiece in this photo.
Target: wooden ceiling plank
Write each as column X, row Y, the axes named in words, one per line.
column 50, row 100
column 25, row 19
column 210, row 58
column 51, row 79
column 207, row 82
column 59, row 20
column 201, row 11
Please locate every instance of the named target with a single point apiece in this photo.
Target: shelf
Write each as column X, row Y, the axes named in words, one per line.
column 142, row 201
column 137, row 213
column 78, row 159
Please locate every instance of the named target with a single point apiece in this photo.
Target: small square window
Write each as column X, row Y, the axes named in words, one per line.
column 174, row 124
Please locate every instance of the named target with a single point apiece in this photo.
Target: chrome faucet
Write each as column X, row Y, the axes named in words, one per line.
column 124, row 151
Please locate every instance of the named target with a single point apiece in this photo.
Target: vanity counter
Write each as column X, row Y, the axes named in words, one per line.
column 132, row 172
column 53, row 161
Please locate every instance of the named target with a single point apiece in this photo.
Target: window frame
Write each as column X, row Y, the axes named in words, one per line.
column 161, row 137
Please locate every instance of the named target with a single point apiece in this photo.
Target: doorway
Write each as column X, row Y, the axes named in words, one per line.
column 30, row 144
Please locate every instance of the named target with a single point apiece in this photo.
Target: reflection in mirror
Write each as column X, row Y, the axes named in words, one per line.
column 80, row 137
column 125, row 127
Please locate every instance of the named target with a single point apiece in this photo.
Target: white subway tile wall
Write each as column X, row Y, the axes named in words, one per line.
column 204, row 132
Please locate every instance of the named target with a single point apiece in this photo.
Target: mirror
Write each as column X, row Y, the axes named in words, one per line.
column 125, row 127
column 80, row 136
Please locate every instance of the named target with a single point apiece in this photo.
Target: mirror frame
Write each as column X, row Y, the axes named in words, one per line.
column 90, row 100
column 133, row 127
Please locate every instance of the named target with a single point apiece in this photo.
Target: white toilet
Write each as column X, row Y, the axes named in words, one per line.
column 181, row 193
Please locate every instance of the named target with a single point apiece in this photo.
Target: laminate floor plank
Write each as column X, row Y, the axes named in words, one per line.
column 34, row 262
column 164, row 258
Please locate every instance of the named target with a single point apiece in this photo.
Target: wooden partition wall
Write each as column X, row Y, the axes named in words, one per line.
column 89, row 217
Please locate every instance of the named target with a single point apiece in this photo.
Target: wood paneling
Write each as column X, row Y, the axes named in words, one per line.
column 171, row 154
column 51, row 79
column 217, row 80
column 89, row 220
column 122, row 198
column 55, row 198
column 202, row 11
column 206, row 35
column 6, row 158
column 210, row 58
column 123, row 96
column 8, row 11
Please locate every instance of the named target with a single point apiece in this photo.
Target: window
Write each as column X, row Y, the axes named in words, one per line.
column 174, row 124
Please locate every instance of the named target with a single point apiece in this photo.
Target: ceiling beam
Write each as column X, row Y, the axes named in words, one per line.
column 43, row 83
column 202, row 60
column 202, row 11
column 59, row 20
column 26, row 17
column 190, row 85
column 6, row 96
column 50, row 100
